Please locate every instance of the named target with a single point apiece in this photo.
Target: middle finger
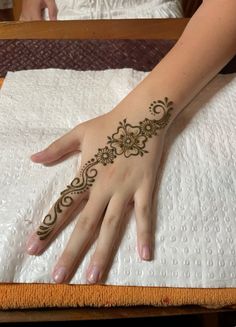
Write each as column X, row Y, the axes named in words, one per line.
column 81, row 236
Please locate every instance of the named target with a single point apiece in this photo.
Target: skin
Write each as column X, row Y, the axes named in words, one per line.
column 207, row 44
column 128, row 140
column 33, row 9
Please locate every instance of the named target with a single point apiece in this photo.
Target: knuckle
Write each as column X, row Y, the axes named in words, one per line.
column 148, row 175
column 67, row 257
column 111, row 220
column 53, row 147
column 109, row 173
column 98, row 257
column 144, row 209
column 149, row 179
column 86, row 224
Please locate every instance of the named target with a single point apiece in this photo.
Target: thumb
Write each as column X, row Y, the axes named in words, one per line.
column 66, row 144
column 52, row 9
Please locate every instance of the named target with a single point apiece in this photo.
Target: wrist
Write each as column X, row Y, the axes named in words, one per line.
column 142, row 106
column 146, row 101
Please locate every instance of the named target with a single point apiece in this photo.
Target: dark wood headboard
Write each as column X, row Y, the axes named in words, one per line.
column 190, row 6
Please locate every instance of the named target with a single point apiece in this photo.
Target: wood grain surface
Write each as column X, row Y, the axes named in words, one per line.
column 96, row 29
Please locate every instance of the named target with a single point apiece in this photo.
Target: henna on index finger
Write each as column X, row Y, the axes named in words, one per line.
column 128, row 140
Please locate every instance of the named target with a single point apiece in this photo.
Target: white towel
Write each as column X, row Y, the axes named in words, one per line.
column 195, row 240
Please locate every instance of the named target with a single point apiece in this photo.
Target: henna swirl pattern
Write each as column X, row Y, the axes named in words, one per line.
column 128, row 140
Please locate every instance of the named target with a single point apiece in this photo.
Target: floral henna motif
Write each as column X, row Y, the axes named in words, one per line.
column 105, row 156
column 128, row 141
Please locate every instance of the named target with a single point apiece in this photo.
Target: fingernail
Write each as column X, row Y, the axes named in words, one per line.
column 59, row 275
column 146, row 255
column 93, row 275
column 32, row 248
column 37, row 155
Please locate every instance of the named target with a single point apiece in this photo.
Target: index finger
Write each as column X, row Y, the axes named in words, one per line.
column 59, row 214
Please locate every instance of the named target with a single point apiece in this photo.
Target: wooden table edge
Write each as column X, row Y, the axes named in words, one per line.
column 102, row 313
column 95, row 29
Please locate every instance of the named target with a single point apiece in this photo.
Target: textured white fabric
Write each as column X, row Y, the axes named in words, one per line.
column 195, row 240
column 118, row 9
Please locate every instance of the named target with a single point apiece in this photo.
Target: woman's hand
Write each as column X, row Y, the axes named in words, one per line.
column 132, row 148
column 121, row 152
column 33, row 9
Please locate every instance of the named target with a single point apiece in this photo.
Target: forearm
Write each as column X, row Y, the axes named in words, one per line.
column 207, row 44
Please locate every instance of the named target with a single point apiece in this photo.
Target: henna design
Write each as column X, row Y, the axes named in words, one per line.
column 127, row 140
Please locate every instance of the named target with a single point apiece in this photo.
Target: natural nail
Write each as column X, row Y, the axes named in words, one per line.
column 93, row 275
column 59, row 275
column 146, row 255
column 37, row 155
column 32, row 247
